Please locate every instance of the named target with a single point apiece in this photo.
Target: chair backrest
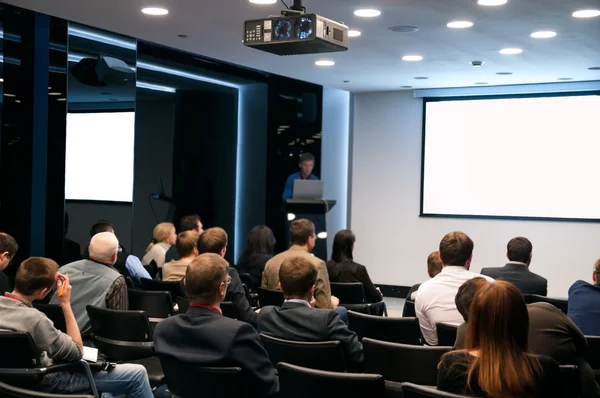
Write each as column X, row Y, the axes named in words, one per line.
column 187, row 380
column 570, row 380
column 228, row 309
column 183, row 304
column 411, row 390
column 270, row 297
column 8, row 391
column 157, row 305
column 152, row 269
column 446, row 334
column 18, row 352
column 561, row 304
column 593, row 351
column 395, row 330
column 160, row 286
column 129, row 282
column 409, row 309
column 121, row 335
column 349, row 293
column 323, row 355
column 402, row 362
column 55, row 313
column 246, row 280
column 300, row 382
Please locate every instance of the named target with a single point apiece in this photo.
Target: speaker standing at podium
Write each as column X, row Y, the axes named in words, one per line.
column 307, row 164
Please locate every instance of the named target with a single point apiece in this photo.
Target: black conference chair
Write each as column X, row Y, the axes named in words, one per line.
column 247, row 280
column 20, row 362
column 446, row 334
column 569, row 377
column 187, row 380
column 300, row 382
column 249, row 288
column 175, row 288
column 323, row 355
column 411, row 390
column 126, row 336
column 270, row 297
column 55, row 313
column 228, row 309
column 395, row 330
column 561, row 304
column 183, row 304
column 8, row 391
column 352, row 296
column 157, row 305
column 402, row 362
column 409, row 309
column 593, row 357
column 152, row 269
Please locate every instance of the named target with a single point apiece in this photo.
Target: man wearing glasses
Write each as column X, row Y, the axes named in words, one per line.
column 8, row 249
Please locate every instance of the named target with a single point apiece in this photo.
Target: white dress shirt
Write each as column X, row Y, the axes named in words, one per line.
column 434, row 302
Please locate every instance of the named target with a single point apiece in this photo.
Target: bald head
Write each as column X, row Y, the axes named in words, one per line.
column 206, row 279
column 104, row 248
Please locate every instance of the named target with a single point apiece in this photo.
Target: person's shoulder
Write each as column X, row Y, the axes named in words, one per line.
column 549, row 366
column 455, row 360
column 538, row 277
column 293, row 176
column 487, row 277
column 580, row 284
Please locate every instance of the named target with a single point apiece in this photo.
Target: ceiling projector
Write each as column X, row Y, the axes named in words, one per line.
column 295, row 32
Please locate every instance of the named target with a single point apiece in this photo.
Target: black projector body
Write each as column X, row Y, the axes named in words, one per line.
column 296, row 34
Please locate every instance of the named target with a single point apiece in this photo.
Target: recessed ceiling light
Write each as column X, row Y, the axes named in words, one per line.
column 54, row 93
column 61, row 99
column 481, row 83
column 412, row 58
column 155, row 11
column 354, row 33
column 586, row 13
column 406, row 86
column 325, row 62
column 594, row 68
column 367, row 13
column 511, row 51
column 18, row 101
column 9, row 95
column 263, row 1
column 403, row 29
column 564, row 78
column 1, row 80
column 421, row 78
column 546, row 34
column 459, row 24
column 491, row 3
column 504, row 73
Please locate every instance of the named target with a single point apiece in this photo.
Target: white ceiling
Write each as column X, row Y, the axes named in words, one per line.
column 373, row 63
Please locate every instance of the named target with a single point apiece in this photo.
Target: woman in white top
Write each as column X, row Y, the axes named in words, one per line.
column 163, row 238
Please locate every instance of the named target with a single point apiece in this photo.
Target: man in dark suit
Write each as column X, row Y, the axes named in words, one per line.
column 298, row 320
column 204, row 337
column 517, row 271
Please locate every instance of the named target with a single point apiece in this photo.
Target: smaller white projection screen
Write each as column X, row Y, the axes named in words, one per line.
column 513, row 157
column 99, row 156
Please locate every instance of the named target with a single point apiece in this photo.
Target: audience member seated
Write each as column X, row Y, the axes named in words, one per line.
column 519, row 252
column 35, row 278
column 214, row 240
column 302, row 239
column 343, row 269
column 297, row 320
column 127, row 264
column 95, row 281
column 187, row 248
column 463, row 300
column 71, row 249
column 434, row 302
column 190, row 222
column 583, row 303
column 8, row 249
column 163, row 237
column 260, row 249
column 434, row 267
column 495, row 362
column 204, row 337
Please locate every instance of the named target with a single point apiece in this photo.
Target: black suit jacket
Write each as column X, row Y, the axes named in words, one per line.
column 520, row 276
column 204, row 337
column 298, row 322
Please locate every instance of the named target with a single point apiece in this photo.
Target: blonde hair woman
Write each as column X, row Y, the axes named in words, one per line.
column 163, row 238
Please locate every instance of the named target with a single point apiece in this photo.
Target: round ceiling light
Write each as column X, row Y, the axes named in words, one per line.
column 459, row 24
column 511, row 51
column 367, row 13
column 545, row 34
column 325, row 62
column 354, row 33
column 586, row 13
column 412, row 58
column 491, row 3
column 263, row 1
column 155, row 11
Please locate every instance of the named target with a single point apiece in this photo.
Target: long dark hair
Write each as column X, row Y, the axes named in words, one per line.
column 261, row 241
column 343, row 244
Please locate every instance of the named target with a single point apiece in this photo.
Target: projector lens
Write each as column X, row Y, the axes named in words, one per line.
column 304, row 28
column 282, row 30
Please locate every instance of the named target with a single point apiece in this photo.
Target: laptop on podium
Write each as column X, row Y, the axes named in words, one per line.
column 308, row 190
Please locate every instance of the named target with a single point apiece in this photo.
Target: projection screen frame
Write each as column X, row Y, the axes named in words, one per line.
column 427, row 100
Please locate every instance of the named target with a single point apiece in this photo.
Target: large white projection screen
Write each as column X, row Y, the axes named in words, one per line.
column 513, row 157
column 99, row 156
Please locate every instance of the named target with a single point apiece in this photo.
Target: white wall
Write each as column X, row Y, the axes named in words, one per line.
column 393, row 241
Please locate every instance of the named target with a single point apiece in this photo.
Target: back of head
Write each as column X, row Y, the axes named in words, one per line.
column 597, row 272
column 343, row 245
column 434, row 264
column 161, row 233
column 189, row 222
column 34, row 274
column 8, row 244
column 297, row 276
column 301, row 231
column 519, row 249
column 498, row 330
column 213, row 240
column 260, row 241
column 465, row 295
column 203, row 277
column 104, row 247
column 101, row 226
column 456, row 248
column 186, row 243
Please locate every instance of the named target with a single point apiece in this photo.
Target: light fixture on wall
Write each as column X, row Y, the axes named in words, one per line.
column 155, row 87
column 322, row 235
column 291, row 216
